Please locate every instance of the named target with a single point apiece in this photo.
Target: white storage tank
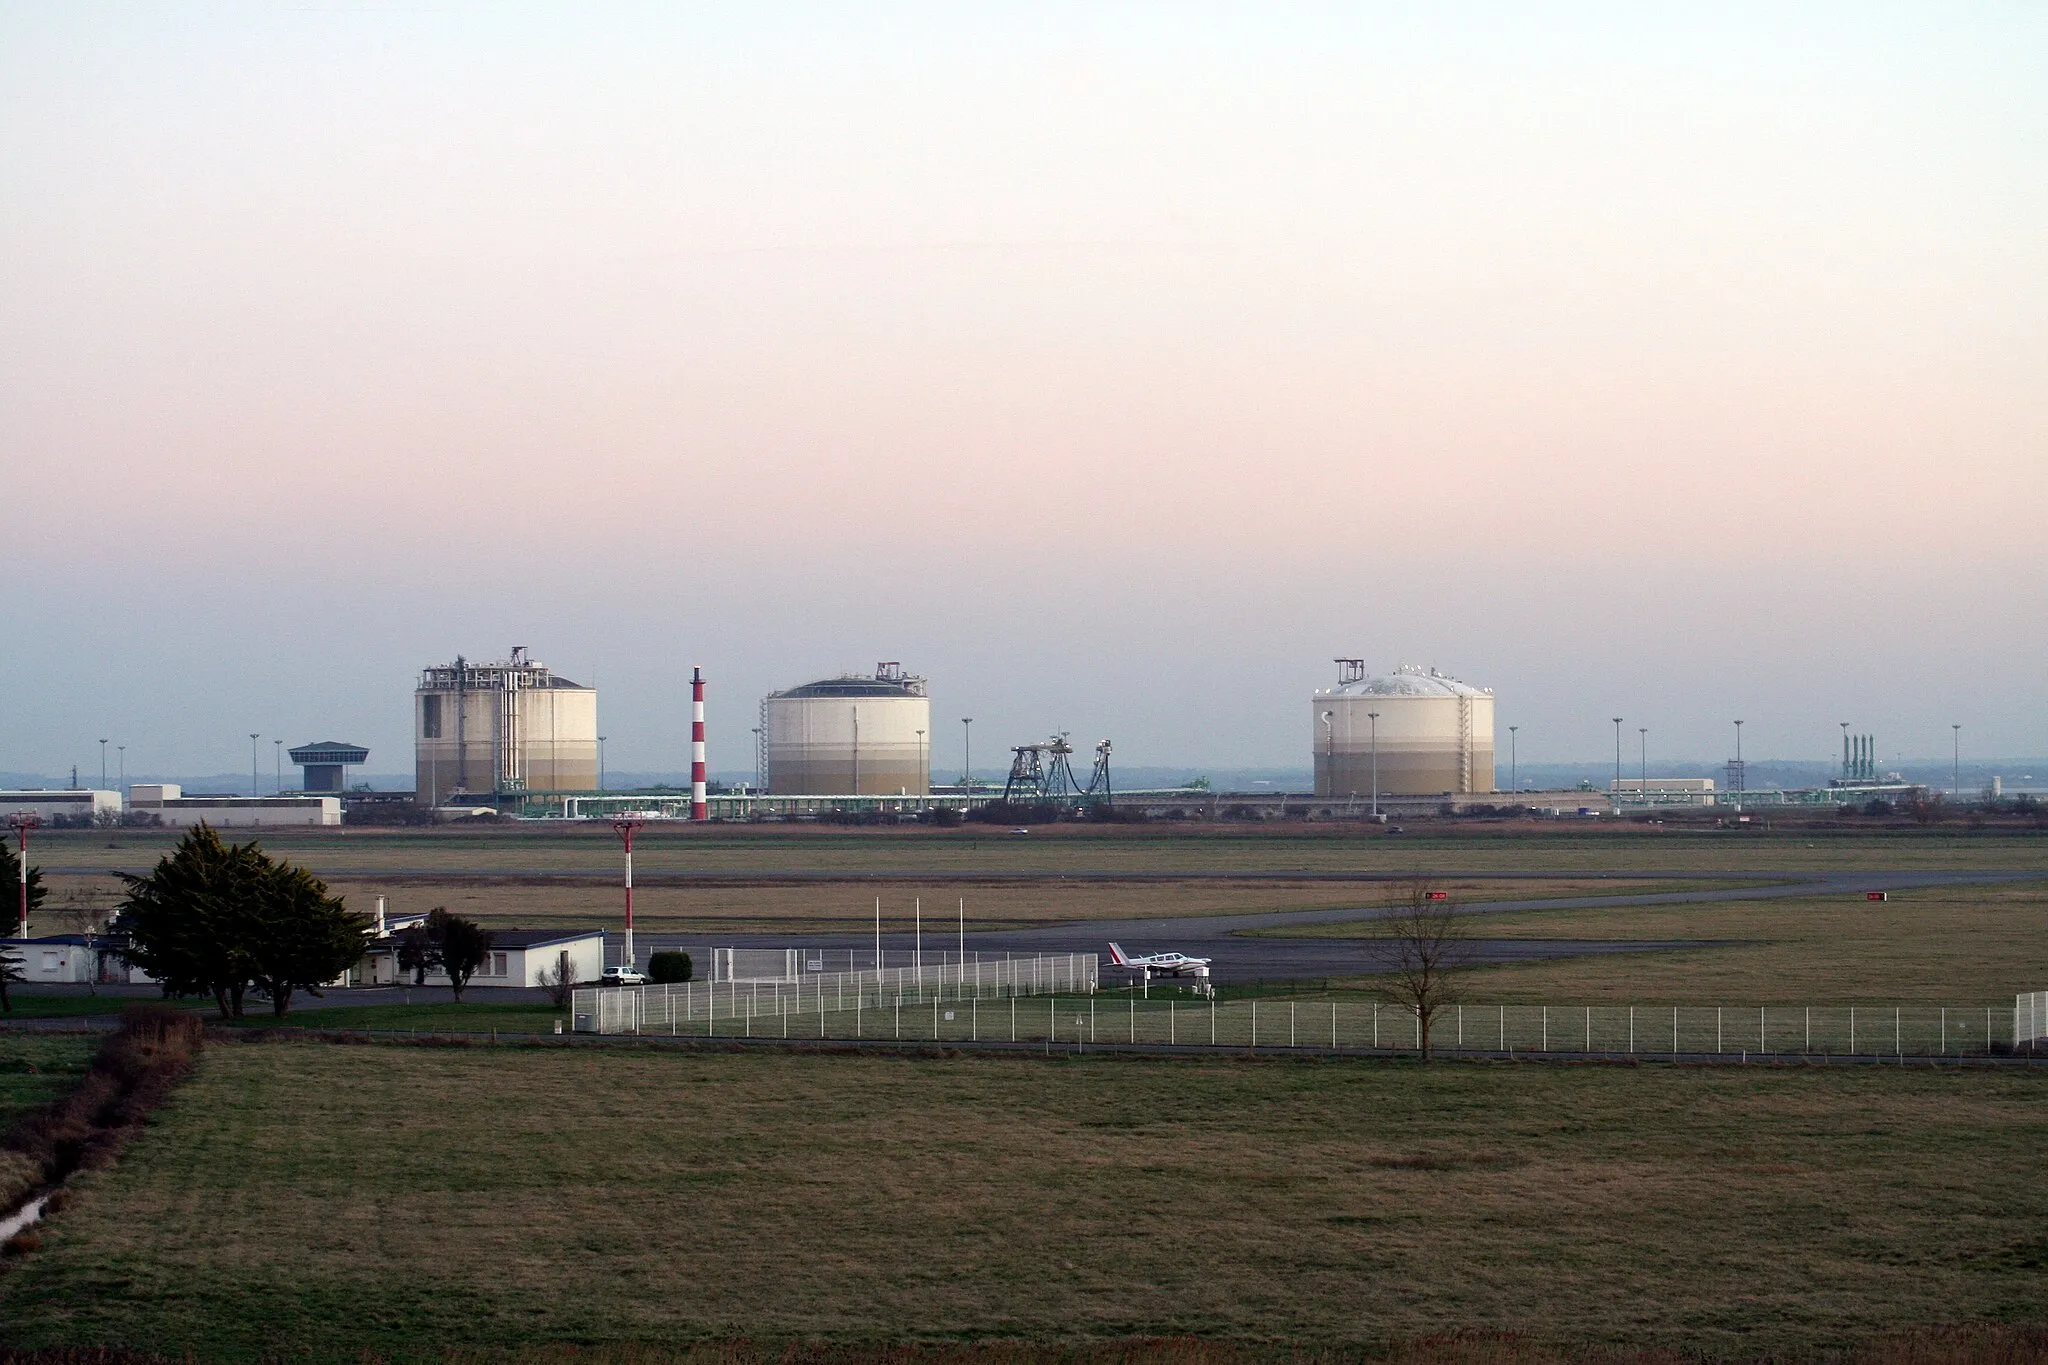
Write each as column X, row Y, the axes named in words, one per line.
column 853, row 735
column 499, row 729
column 1435, row 733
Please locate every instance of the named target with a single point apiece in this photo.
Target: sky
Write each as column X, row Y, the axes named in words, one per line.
column 1116, row 366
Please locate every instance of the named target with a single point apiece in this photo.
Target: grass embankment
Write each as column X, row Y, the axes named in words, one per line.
column 96, row 1109
column 1939, row 945
column 468, row 1016
column 321, row 1202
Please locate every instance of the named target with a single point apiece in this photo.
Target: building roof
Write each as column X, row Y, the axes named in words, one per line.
column 519, row 938
column 1410, row 680
column 856, row 686
column 329, row 751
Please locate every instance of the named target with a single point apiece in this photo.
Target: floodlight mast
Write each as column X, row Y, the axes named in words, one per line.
column 22, row 822
column 625, row 826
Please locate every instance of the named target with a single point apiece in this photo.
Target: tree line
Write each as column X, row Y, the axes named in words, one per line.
column 224, row 920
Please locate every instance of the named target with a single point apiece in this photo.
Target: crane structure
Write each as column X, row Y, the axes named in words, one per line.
column 1040, row 774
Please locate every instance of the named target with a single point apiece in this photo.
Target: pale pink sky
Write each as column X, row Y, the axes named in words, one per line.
column 1115, row 365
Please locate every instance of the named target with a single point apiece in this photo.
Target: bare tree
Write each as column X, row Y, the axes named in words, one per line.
column 86, row 911
column 1427, row 946
column 559, row 981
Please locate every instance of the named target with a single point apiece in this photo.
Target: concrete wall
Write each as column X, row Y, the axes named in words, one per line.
column 557, row 741
column 1422, row 749
column 813, row 750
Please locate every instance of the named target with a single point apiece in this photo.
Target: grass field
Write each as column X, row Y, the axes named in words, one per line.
column 314, row 1202
column 34, row 1069
column 1948, row 945
column 757, row 851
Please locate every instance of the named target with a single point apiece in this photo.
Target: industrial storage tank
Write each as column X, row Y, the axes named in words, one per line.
column 850, row 735
column 501, row 729
column 1435, row 733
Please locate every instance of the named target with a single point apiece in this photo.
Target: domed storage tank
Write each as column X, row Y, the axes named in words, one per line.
column 851, row 735
column 1435, row 733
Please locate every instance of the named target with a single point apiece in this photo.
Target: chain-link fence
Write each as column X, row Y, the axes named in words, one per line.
column 950, row 1014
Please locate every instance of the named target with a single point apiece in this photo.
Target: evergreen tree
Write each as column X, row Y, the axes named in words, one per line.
column 10, row 886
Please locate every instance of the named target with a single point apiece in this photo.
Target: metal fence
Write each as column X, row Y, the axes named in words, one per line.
column 841, row 1000
column 954, row 1015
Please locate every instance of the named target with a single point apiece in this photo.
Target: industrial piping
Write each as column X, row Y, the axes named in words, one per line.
column 698, row 809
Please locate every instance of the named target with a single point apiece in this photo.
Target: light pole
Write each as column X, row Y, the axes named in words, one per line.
column 967, row 752
column 1329, row 782
column 1845, row 749
column 1374, row 717
column 625, row 828
column 103, row 765
column 600, row 764
column 255, row 765
column 757, row 760
column 1955, row 772
column 21, row 822
column 1643, row 784
column 921, row 763
column 1514, row 767
column 1741, row 774
column 280, row 766
column 1617, row 758
column 121, row 754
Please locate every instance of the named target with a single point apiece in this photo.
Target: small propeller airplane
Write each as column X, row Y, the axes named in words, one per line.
column 1149, row 965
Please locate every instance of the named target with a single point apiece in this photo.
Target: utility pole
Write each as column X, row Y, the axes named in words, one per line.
column 967, row 750
column 1514, row 767
column 1617, row 758
column 1644, row 732
column 255, row 765
column 1955, row 776
column 280, row 766
column 103, row 765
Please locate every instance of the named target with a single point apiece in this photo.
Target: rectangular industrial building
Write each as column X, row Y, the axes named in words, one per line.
column 168, row 802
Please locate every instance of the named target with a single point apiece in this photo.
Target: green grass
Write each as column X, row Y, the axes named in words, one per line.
column 1941, row 945
column 466, row 1017
column 35, row 1068
column 77, row 1005
column 320, row 1202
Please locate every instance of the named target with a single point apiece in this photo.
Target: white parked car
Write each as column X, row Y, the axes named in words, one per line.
column 623, row 976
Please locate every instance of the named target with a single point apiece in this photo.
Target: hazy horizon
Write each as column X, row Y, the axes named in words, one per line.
column 1114, row 367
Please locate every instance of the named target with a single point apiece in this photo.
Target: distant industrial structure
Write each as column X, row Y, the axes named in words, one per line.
column 326, row 764
column 498, row 731
column 1412, row 732
column 854, row 735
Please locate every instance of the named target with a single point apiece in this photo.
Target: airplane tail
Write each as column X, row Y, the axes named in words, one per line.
column 1117, row 955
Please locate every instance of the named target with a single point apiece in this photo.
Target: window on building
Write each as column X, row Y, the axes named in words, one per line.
column 430, row 717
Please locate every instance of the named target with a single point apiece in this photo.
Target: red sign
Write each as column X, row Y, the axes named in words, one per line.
column 1877, row 895
column 1439, row 895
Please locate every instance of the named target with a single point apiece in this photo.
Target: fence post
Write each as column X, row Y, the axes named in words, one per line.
column 1333, row 1025
column 1290, row 1024
column 1589, row 1028
column 1172, row 1031
column 1503, row 1028
column 1760, row 1029
column 1255, row 1021
column 1718, row 1011
column 1898, row 1049
column 1944, row 1030
column 1674, row 1030
column 1134, row 1019
column 1631, row 1028
column 1809, row 1028
column 1852, row 1030
column 1546, row 1028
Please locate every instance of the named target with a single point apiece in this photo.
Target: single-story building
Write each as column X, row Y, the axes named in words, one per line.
column 517, row 958
column 68, row 958
column 49, row 805
column 168, row 802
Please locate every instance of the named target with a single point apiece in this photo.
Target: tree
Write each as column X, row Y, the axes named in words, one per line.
column 10, row 972
column 460, row 946
column 559, row 981
column 215, row 918
column 670, row 966
column 301, row 937
column 1426, row 943
column 10, row 884
column 415, row 952
column 186, row 920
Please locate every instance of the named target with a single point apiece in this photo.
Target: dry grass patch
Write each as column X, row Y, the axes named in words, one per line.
column 492, row 1198
column 1940, row 945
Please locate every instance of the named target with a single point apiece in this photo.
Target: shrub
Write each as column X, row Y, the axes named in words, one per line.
column 670, row 966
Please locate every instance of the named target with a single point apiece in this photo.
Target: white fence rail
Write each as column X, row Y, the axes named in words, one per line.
column 954, row 1011
column 710, row 1006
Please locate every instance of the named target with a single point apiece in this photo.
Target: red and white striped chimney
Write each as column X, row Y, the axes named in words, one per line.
column 698, row 808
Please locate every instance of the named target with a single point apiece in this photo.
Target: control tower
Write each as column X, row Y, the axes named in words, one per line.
column 326, row 764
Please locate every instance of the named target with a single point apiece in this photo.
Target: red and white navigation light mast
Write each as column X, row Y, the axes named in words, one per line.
column 625, row 825
column 698, row 808
column 23, row 822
